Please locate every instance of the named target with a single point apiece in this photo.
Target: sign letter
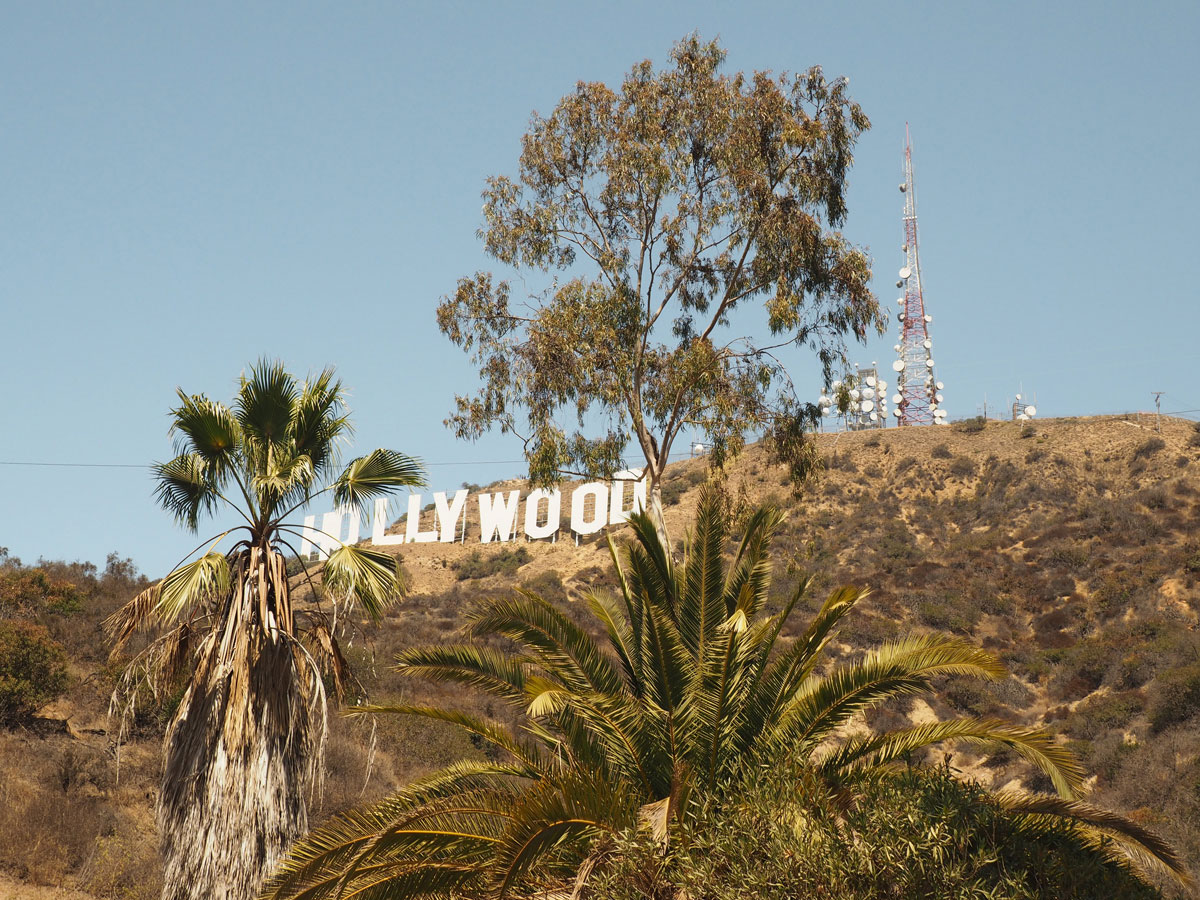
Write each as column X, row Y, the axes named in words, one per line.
column 581, row 525
column 553, row 513
column 498, row 515
column 448, row 513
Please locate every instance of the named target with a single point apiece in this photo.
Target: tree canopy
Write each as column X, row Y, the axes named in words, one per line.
column 657, row 214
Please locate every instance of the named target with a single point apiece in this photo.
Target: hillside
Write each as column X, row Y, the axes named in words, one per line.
column 1068, row 547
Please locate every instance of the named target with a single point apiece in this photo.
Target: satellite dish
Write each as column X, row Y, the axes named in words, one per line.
column 881, row 386
column 854, row 394
column 1022, row 418
column 905, row 272
column 898, row 365
column 874, row 417
column 896, row 348
column 824, row 401
column 939, row 413
column 827, row 411
column 870, row 381
column 904, row 249
column 896, row 413
column 900, row 316
column 1018, row 396
column 929, row 318
column 940, row 385
column 899, row 284
column 868, row 405
column 1031, row 411
column 868, row 394
column 897, row 399
column 903, row 188
column 836, row 385
column 928, row 344
column 900, row 301
column 938, row 398
column 929, row 363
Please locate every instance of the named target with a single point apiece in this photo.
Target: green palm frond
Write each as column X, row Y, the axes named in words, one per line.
column 557, row 817
column 378, row 474
column 1115, row 836
column 208, row 429
column 185, row 490
column 703, row 576
column 318, row 422
column 621, row 637
column 896, row 669
column 264, row 406
column 562, row 648
column 499, row 674
column 369, row 578
column 1036, row 745
column 204, row 579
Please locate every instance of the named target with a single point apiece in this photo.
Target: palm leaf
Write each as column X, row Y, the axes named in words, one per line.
column 370, row 578
column 185, row 490
column 562, row 648
column 499, row 674
column 493, row 732
column 1034, row 744
column 378, row 474
column 202, row 579
column 1102, row 830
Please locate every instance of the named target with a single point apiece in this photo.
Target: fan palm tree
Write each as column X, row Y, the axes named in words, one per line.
column 698, row 683
column 243, row 750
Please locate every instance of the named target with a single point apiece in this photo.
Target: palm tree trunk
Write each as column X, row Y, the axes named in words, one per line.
column 241, row 753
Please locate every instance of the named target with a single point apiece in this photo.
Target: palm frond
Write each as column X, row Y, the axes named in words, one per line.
column 318, row 422
column 208, row 429
column 378, row 474
column 185, row 490
column 1036, row 745
column 1102, row 830
column 265, row 404
column 896, row 669
column 561, row 647
column 703, row 576
column 499, row 674
column 370, row 578
column 204, row 578
column 134, row 616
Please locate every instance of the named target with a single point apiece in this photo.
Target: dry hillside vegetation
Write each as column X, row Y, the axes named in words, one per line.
column 1070, row 547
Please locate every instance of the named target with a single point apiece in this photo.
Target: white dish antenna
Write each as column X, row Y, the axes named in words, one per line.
column 1031, row 411
column 897, row 399
column 939, row 414
column 836, row 385
column 896, row 413
column 899, row 284
column 900, row 301
column 871, row 381
column 927, row 344
column 868, row 394
column 905, row 272
column 929, row 363
column 827, row 410
column 903, row 188
column 940, row 385
column 896, row 348
column 874, row 417
column 898, row 365
column 938, row 398
column 868, row 405
column 854, row 393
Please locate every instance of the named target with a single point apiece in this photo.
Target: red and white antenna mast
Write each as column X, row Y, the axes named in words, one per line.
column 918, row 399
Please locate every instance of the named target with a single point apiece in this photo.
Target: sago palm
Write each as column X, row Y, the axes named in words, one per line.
column 697, row 683
column 243, row 750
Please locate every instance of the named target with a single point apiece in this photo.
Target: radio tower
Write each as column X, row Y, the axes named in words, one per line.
column 918, row 399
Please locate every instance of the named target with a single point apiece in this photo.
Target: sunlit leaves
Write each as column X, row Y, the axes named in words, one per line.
column 656, row 211
column 202, row 579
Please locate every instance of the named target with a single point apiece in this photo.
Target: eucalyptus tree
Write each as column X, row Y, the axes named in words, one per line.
column 672, row 238
column 697, row 688
column 244, row 748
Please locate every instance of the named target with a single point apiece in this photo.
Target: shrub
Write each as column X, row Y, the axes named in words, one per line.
column 962, row 467
column 504, row 562
column 33, row 670
column 918, row 834
column 1175, row 697
column 971, row 426
column 940, row 451
column 1028, row 431
column 1148, row 448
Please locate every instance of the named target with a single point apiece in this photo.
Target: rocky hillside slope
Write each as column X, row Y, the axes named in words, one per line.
column 1070, row 547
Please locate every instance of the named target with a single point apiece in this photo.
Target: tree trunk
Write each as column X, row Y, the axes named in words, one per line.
column 243, row 750
column 655, row 506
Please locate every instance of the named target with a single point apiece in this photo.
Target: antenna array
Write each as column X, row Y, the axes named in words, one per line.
column 918, row 397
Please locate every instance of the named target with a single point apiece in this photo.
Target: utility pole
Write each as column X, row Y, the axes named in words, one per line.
column 1158, row 410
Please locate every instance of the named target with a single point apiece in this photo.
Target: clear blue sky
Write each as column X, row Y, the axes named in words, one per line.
column 189, row 187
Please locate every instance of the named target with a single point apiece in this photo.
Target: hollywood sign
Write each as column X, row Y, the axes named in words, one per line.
column 592, row 507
